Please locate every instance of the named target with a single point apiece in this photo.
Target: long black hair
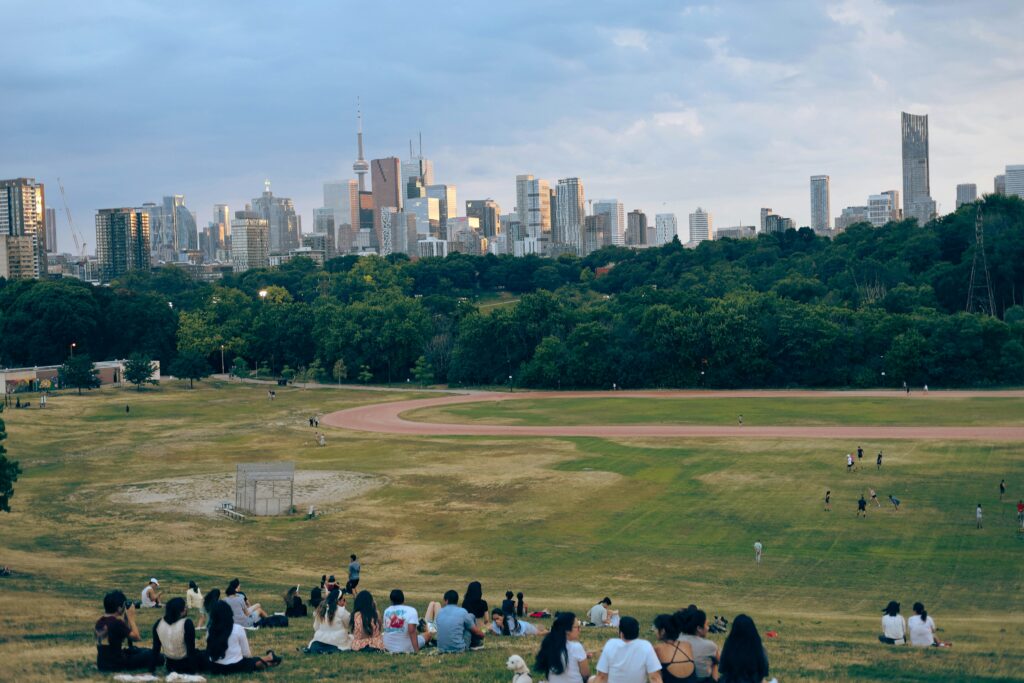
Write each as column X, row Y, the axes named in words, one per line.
column 743, row 655
column 233, row 587
column 919, row 609
column 364, row 607
column 553, row 656
column 222, row 621
column 173, row 610
column 667, row 625
column 520, row 605
column 327, row 609
column 210, row 600
column 473, row 598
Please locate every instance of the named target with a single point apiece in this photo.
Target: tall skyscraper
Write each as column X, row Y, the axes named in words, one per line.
column 323, row 224
column 448, row 203
column 616, row 219
column 966, row 193
column 51, row 231
column 596, row 232
column 342, row 198
column 571, row 211
column 999, row 184
column 917, row 199
column 700, row 225
column 284, row 224
column 17, row 257
column 122, row 241
column 250, row 241
column 427, row 214
column 821, row 206
column 1015, row 180
column 386, row 184
column 417, row 170
column 636, row 228
column 23, row 214
column 774, row 223
column 172, row 227
column 360, row 167
column 666, row 227
column 533, row 204
column 222, row 217
column 765, row 212
column 488, row 213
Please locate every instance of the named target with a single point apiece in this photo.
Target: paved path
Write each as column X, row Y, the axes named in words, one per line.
column 386, row 418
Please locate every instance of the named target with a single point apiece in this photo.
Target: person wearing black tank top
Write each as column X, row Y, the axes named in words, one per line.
column 676, row 656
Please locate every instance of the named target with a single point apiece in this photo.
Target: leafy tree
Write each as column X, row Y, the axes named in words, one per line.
column 339, row 372
column 239, row 367
column 287, row 373
column 422, row 371
column 190, row 365
column 79, row 372
column 364, row 374
column 9, row 471
column 139, row 370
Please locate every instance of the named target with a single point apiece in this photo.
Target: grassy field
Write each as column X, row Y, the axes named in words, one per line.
column 919, row 409
column 655, row 524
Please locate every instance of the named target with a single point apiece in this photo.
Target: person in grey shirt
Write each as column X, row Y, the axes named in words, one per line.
column 455, row 626
column 693, row 624
column 353, row 576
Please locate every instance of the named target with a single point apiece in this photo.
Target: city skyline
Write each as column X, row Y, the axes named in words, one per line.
column 746, row 128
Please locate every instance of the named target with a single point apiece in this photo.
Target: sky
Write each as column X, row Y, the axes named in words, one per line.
column 664, row 105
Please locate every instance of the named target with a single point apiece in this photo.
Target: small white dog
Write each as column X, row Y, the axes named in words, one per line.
column 521, row 673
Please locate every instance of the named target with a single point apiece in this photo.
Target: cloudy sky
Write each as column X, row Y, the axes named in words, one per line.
column 728, row 105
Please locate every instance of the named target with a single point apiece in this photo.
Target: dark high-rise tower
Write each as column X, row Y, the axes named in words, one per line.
column 917, row 200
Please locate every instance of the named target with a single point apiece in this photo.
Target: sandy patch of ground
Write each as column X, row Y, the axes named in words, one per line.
column 202, row 494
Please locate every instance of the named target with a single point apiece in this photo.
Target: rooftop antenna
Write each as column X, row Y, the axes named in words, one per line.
column 361, row 167
column 421, row 144
column 411, row 157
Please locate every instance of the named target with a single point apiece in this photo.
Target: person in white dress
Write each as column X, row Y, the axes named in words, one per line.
column 331, row 626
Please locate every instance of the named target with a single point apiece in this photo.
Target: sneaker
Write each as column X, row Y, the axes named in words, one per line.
column 476, row 647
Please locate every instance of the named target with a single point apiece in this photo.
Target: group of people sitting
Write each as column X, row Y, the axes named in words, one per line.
column 918, row 630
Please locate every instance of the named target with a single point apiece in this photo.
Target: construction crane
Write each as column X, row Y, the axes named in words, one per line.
column 79, row 241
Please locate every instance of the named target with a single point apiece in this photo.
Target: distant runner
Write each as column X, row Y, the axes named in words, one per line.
column 757, row 551
column 874, row 497
column 828, row 501
column 862, row 507
column 895, row 502
column 878, row 461
column 977, row 515
column 849, row 463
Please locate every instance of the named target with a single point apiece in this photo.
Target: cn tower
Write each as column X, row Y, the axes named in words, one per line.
column 361, row 167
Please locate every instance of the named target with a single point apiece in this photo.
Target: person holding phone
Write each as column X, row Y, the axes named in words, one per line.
column 115, row 632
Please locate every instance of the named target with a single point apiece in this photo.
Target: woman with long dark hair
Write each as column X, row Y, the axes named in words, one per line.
column 194, row 601
column 227, row 646
column 693, row 627
column 365, row 626
column 743, row 657
column 562, row 658
column 209, row 600
column 331, row 622
column 676, row 656
column 474, row 603
column 245, row 614
column 521, row 607
column 293, row 605
column 175, row 636
column 921, row 627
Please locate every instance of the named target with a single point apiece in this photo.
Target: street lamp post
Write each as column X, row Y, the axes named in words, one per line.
column 222, row 359
column 510, row 390
column 73, row 345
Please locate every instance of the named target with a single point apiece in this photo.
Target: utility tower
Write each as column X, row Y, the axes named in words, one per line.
column 361, row 167
column 979, row 291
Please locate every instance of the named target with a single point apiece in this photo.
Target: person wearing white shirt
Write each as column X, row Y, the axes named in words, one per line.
column 628, row 659
column 600, row 615
column 562, row 658
column 227, row 646
column 150, row 595
column 894, row 629
column 921, row 627
column 399, row 626
column 331, row 622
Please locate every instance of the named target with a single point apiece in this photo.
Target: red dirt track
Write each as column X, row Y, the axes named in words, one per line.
column 386, row 418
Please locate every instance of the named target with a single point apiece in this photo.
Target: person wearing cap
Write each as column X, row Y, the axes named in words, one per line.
column 150, row 595
column 894, row 629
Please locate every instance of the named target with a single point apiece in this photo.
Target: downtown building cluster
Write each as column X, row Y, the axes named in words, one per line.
column 405, row 210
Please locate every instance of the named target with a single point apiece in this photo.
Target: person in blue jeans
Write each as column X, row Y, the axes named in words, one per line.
column 455, row 626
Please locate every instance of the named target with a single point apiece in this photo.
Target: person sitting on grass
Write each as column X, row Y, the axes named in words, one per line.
column 628, row 657
column 693, row 627
column 227, row 646
column 116, row 629
column 331, row 626
column 175, row 635
column 744, row 659
column 474, row 603
column 562, row 658
column 150, row 595
column 194, row 601
column 676, row 656
column 921, row 627
column 455, row 626
column 293, row 605
column 509, row 603
column 365, row 626
column 600, row 615
column 506, row 624
column 894, row 629
column 246, row 615
column 522, row 609
column 400, row 626
column 209, row 601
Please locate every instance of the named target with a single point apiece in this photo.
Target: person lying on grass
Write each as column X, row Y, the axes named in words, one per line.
column 506, row 624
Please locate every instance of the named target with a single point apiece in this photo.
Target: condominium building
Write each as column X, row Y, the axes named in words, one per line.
column 23, row 214
column 122, row 241
column 250, row 241
column 636, row 228
column 341, row 197
column 446, row 197
column 966, row 193
column 1015, row 180
column 616, row 219
column 852, row 215
column 17, row 257
column 51, row 231
column 533, row 204
column 821, row 207
column 917, row 200
column 666, row 227
column 883, row 208
column 283, row 224
column 571, row 212
column 488, row 213
column 999, row 184
column 700, row 225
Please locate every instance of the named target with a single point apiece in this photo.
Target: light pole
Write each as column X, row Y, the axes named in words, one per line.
column 73, row 345
column 222, row 359
column 510, row 390
column 263, row 297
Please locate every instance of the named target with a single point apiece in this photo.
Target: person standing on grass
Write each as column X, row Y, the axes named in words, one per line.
column 862, row 507
column 758, row 549
column 741, row 419
column 860, row 454
column 849, row 462
column 1002, row 489
column 878, row 461
column 353, row 575
column 977, row 516
column 1020, row 512
column 828, row 500
column 874, row 498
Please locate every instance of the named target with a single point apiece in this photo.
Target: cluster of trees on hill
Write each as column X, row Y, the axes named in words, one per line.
column 871, row 307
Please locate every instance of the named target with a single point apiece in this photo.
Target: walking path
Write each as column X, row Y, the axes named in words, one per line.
column 387, row 418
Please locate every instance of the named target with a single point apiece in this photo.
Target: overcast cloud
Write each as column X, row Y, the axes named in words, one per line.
column 666, row 105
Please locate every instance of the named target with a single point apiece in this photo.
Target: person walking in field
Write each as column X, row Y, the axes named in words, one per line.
column 878, row 461
column 874, row 498
column 860, row 454
column 1002, row 489
column 741, row 419
column 862, row 507
column 828, row 500
column 849, row 463
column 758, row 549
column 977, row 516
column 354, row 567
column 1020, row 512
column 895, row 502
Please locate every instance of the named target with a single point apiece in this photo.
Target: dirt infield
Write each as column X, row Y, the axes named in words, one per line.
column 387, row 418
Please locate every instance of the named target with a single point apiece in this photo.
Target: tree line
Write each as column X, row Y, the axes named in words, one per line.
column 874, row 306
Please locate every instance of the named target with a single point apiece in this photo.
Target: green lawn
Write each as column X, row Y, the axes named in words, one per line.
column 655, row 524
column 933, row 409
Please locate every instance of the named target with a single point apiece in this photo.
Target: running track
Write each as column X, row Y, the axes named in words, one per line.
column 386, row 418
